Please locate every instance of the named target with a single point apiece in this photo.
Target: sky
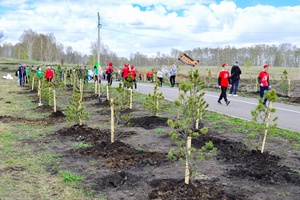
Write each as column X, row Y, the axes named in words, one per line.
column 149, row 27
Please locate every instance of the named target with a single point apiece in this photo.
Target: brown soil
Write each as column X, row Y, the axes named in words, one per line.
column 136, row 165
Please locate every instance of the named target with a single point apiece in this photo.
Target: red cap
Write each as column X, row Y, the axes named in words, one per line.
column 110, row 64
column 266, row 65
column 224, row 64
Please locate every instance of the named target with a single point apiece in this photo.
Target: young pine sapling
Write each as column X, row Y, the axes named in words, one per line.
column 118, row 106
column 75, row 111
column 186, row 127
column 153, row 101
column 261, row 115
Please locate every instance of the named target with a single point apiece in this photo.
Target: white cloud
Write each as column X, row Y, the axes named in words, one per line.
column 150, row 26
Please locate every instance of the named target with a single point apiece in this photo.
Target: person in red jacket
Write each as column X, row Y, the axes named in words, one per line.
column 125, row 71
column 149, row 75
column 49, row 74
column 224, row 82
column 140, row 75
column 263, row 80
column 109, row 72
column 133, row 73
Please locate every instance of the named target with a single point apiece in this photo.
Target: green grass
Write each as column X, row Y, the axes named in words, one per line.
column 81, row 145
column 226, row 124
column 139, row 149
column 69, row 177
column 159, row 131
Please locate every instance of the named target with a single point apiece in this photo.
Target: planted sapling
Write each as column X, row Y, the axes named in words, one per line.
column 75, row 111
column 262, row 116
column 153, row 101
column 192, row 107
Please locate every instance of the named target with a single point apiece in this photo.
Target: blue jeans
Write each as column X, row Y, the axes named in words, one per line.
column 262, row 91
column 21, row 80
column 234, row 86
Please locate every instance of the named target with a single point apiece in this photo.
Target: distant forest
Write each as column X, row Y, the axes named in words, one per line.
column 45, row 48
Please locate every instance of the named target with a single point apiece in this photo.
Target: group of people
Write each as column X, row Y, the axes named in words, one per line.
column 171, row 74
column 226, row 80
column 24, row 73
column 128, row 74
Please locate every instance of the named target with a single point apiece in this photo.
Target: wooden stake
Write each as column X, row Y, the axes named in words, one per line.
column 266, row 128
column 39, row 88
column 187, row 169
column 81, row 90
column 54, row 101
column 40, row 94
column 32, row 85
column 112, row 124
column 99, row 89
column 130, row 105
column 96, row 86
column 80, row 101
column 107, row 92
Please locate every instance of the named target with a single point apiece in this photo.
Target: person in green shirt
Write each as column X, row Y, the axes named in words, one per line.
column 28, row 70
column 39, row 73
column 96, row 72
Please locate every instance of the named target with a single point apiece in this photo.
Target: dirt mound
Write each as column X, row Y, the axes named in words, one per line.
column 122, row 155
column 170, row 189
column 250, row 164
column 148, row 122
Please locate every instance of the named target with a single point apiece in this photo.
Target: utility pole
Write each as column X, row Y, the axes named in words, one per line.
column 99, row 26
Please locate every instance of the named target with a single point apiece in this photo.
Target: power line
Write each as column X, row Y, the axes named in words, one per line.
column 187, row 40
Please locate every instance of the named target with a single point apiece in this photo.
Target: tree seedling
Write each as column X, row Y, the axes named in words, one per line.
column 186, row 127
column 153, row 101
column 262, row 116
column 75, row 111
column 118, row 105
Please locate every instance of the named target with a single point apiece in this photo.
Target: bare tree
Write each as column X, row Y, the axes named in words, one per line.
column 27, row 40
column 50, row 47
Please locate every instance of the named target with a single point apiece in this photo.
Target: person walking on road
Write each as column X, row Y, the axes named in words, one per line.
column 263, row 81
column 224, row 82
column 235, row 78
column 160, row 77
column 173, row 73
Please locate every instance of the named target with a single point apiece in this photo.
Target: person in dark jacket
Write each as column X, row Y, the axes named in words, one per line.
column 22, row 74
column 235, row 78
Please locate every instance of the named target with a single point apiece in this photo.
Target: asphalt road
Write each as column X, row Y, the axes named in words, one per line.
column 240, row 107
